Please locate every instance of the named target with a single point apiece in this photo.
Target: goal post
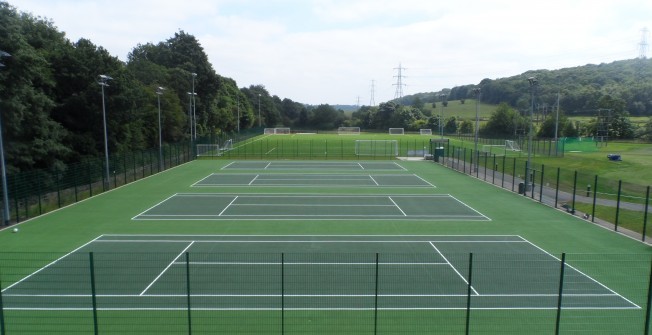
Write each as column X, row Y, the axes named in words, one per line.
column 277, row 131
column 512, row 146
column 425, row 131
column 348, row 131
column 208, row 150
column 376, row 148
column 396, row 131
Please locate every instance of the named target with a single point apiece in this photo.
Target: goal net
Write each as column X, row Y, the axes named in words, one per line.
column 227, row 145
column 276, row 131
column 493, row 149
column 348, row 131
column 208, row 150
column 387, row 148
column 512, row 146
column 396, row 131
column 425, row 131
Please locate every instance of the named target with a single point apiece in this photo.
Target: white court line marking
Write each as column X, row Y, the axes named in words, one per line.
column 229, row 205
column 51, row 263
column 269, row 152
column 397, row 206
column 294, row 241
column 166, row 268
column 266, row 166
column 585, row 275
column 362, row 167
column 454, row 269
column 425, row 181
column 156, row 205
column 309, row 263
column 374, row 180
column 227, row 166
column 253, row 180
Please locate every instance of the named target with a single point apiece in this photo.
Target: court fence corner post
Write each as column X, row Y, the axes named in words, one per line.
column 93, row 292
column 649, row 302
column 376, row 297
column 468, row 295
column 561, row 289
column 2, row 310
column 282, row 293
column 188, row 303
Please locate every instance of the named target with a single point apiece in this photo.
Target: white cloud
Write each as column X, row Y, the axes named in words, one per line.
column 328, row 51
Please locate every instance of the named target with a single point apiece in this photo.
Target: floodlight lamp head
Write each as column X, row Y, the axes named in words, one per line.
column 533, row 81
column 160, row 90
column 4, row 54
column 105, row 77
column 194, row 74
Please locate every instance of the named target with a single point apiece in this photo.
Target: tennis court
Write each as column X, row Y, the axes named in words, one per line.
column 314, row 165
column 281, row 206
column 338, row 272
column 314, row 180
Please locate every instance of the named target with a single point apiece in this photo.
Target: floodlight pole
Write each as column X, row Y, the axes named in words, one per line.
column 3, row 167
column 159, row 91
column 557, row 123
column 194, row 107
column 477, row 126
column 104, row 79
column 260, row 121
column 533, row 84
column 238, row 114
column 441, row 116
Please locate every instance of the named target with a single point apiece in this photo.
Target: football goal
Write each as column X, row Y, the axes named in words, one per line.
column 227, row 145
column 425, row 131
column 386, row 148
column 396, row 131
column 512, row 146
column 277, row 131
column 208, row 150
column 348, row 131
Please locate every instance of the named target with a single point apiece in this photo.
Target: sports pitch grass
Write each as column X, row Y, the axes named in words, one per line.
column 317, row 239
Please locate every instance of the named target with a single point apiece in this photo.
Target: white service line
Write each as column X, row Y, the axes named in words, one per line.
column 166, row 268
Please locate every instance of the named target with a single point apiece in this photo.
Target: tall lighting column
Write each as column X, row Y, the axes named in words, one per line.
column 194, row 107
column 533, row 85
column 159, row 91
column 441, row 116
column 260, row 121
column 3, row 167
column 476, row 91
column 104, row 79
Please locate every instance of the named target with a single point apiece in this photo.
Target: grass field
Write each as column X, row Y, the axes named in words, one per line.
column 318, row 247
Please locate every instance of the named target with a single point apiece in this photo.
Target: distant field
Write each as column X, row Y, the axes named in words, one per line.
column 465, row 111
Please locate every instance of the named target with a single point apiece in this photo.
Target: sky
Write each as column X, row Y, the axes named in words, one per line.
column 349, row 52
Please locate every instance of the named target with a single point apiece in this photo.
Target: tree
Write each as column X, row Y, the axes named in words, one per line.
column 450, row 127
column 502, row 122
column 466, row 127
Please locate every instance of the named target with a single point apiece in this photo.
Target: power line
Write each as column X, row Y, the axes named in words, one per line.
column 642, row 51
column 399, row 83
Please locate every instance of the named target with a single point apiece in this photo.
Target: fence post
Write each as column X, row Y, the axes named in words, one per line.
column 188, row 304
column 282, row 293
column 93, row 292
column 468, row 294
column 647, row 201
column 557, row 188
column 595, row 196
column 376, row 299
column 561, row 289
column 513, row 172
column 649, row 302
column 543, row 168
column 2, row 313
column 620, row 186
column 574, row 191
column 502, row 179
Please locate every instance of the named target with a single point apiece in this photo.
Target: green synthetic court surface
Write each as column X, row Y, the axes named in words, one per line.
column 331, row 241
column 261, row 207
column 336, row 272
column 314, row 180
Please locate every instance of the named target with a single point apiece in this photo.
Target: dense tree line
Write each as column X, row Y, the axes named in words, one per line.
column 51, row 102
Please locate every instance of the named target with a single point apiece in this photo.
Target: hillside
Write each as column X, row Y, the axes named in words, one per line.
column 580, row 88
